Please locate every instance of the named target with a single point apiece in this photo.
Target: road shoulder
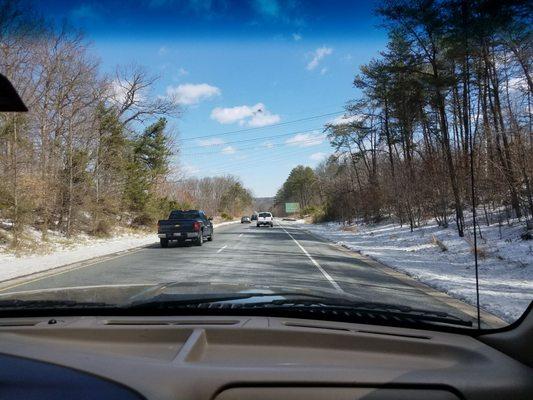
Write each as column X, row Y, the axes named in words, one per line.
column 490, row 320
column 84, row 256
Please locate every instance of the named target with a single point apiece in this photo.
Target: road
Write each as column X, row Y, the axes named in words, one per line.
column 242, row 253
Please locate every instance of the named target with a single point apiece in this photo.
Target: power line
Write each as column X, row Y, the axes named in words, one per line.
column 266, row 148
column 235, row 164
column 261, row 127
column 230, row 166
column 261, row 138
column 235, row 170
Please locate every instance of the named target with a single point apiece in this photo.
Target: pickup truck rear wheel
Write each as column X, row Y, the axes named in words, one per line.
column 200, row 239
column 164, row 242
column 210, row 238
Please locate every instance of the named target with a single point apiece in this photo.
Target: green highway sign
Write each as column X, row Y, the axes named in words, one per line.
column 292, row 207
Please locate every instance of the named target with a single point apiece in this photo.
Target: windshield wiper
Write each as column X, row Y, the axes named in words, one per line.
column 366, row 310
column 310, row 306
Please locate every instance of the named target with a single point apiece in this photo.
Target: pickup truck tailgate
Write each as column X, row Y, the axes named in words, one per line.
column 170, row 226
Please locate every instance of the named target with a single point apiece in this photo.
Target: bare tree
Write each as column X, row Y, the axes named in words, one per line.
column 130, row 94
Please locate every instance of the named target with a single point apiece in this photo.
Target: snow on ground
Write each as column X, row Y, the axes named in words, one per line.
column 67, row 252
column 60, row 251
column 505, row 265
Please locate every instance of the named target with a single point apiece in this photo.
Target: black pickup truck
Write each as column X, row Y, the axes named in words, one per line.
column 183, row 225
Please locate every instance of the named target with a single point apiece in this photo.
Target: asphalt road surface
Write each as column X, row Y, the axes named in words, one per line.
column 243, row 253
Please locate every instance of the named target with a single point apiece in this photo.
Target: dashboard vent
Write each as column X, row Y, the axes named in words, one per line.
column 336, row 328
column 207, row 323
column 333, row 328
column 136, row 323
column 18, row 323
column 395, row 334
column 167, row 323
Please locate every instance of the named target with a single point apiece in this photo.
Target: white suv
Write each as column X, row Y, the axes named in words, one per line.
column 265, row 218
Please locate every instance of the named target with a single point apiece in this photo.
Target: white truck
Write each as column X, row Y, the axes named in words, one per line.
column 265, row 218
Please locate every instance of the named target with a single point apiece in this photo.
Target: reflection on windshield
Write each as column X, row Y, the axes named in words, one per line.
column 382, row 150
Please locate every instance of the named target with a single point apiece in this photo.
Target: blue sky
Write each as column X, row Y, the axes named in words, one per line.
column 254, row 79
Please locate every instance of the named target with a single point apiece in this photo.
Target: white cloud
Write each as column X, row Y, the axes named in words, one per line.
column 342, row 156
column 343, row 119
column 162, row 51
column 268, row 145
column 318, row 55
column 518, row 84
column 253, row 116
column 231, row 115
column 210, row 142
column 182, row 72
column 306, row 139
column 318, row 156
column 189, row 93
column 119, row 89
column 263, row 119
column 189, row 169
column 323, row 70
column 228, row 150
column 296, row 37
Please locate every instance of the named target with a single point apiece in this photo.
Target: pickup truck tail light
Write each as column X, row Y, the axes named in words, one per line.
column 196, row 226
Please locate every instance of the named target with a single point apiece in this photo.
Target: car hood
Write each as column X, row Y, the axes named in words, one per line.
column 124, row 294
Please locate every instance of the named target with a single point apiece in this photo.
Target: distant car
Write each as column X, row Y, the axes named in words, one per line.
column 265, row 218
column 254, row 217
column 245, row 220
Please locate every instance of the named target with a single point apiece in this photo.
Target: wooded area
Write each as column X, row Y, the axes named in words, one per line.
column 220, row 195
column 94, row 150
column 449, row 98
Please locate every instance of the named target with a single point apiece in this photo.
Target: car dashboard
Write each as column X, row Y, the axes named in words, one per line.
column 247, row 358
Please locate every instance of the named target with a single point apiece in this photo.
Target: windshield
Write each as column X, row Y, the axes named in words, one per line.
column 382, row 149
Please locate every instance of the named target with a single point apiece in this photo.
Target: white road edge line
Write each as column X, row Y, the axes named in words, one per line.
column 118, row 285
column 315, row 263
column 222, row 248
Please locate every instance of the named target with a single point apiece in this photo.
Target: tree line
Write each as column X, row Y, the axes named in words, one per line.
column 301, row 186
column 225, row 196
column 94, row 150
column 449, row 99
